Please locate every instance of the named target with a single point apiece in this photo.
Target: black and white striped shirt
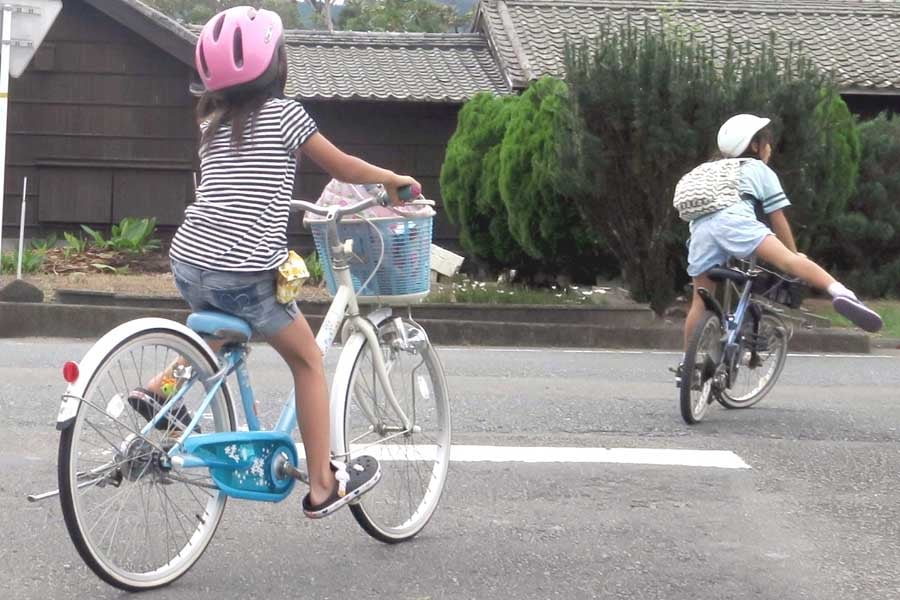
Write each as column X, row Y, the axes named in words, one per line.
column 238, row 221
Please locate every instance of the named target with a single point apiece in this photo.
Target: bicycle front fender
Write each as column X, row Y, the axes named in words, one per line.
column 376, row 317
column 72, row 398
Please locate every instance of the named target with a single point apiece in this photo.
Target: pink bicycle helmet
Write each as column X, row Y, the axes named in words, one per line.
column 238, row 47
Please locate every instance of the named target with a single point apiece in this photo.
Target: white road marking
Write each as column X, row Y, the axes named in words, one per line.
column 644, row 352
column 718, row 459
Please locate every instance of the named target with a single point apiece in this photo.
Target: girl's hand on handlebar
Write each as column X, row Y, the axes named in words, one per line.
column 399, row 181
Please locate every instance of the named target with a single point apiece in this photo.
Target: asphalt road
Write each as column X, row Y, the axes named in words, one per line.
column 817, row 514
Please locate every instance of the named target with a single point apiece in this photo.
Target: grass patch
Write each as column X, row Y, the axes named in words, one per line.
column 888, row 309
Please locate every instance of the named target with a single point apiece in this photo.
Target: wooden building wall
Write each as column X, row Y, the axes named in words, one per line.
column 409, row 138
column 101, row 123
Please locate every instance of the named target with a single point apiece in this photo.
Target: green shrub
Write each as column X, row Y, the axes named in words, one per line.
column 648, row 105
column 542, row 219
column 865, row 248
column 469, row 182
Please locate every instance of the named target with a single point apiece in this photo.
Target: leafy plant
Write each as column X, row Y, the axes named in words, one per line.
column 134, row 235
column 77, row 243
column 315, row 268
column 32, row 260
column 42, row 246
column 105, row 268
column 98, row 238
column 129, row 235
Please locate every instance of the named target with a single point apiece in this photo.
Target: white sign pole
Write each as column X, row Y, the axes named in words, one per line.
column 22, row 229
column 6, row 40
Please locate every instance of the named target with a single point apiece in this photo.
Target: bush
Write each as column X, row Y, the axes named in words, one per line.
column 648, row 106
column 865, row 250
column 469, row 178
column 542, row 219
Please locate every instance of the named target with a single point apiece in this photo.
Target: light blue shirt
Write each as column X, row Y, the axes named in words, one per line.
column 760, row 184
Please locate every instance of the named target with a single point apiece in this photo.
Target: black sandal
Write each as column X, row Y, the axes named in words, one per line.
column 353, row 479
column 858, row 313
column 148, row 403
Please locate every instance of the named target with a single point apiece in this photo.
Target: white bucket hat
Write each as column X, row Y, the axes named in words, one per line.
column 737, row 133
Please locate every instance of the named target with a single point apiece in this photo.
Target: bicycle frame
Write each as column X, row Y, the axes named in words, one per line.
column 343, row 305
column 344, row 308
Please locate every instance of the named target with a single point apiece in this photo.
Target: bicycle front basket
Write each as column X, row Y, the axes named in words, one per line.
column 404, row 275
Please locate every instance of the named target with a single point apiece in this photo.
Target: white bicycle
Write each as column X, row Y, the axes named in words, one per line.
column 142, row 499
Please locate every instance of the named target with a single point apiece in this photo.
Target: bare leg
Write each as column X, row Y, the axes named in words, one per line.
column 697, row 305
column 297, row 346
column 773, row 251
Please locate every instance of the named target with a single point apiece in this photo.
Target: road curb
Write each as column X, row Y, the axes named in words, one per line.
column 86, row 321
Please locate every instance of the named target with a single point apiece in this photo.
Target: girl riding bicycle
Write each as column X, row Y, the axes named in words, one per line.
column 226, row 253
column 732, row 229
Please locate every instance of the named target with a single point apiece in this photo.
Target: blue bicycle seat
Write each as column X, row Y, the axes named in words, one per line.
column 220, row 325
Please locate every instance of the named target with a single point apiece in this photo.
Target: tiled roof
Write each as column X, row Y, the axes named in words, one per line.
column 414, row 67
column 857, row 40
column 421, row 67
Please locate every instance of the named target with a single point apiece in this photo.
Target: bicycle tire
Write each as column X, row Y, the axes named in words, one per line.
column 131, row 471
column 703, row 354
column 777, row 337
column 415, row 462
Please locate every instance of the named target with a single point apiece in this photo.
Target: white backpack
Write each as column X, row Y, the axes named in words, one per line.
column 708, row 188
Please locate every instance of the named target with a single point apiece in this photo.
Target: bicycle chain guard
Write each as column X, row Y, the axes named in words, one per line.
column 247, row 464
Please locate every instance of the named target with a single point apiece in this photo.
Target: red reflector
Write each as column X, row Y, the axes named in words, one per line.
column 70, row 371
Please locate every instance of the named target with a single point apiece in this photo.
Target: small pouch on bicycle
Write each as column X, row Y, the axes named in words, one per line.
column 708, row 188
column 291, row 275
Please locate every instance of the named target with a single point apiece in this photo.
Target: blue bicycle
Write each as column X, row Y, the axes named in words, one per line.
column 142, row 495
column 735, row 355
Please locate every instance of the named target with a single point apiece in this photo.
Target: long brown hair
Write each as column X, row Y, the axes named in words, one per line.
column 235, row 106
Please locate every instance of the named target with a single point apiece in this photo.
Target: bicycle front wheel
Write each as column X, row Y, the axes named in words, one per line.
column 136, row 522
column 703, row 355
column 415, row 455
column 757, row 372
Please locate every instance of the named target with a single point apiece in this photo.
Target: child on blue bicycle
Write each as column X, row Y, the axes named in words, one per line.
column 723, row 221
column 226, row 253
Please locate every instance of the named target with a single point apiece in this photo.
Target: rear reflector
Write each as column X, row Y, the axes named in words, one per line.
column 70, row 371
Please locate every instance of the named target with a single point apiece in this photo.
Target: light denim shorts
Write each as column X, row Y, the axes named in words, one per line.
column 733, row 231
column 249, row 296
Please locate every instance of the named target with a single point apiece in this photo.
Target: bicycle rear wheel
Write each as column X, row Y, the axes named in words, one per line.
column 135, row 522
column 414, row 459
column 704, row 352
column 756, row 376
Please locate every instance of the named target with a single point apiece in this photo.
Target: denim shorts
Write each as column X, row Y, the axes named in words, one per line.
column 249, row 296
column 733, row 231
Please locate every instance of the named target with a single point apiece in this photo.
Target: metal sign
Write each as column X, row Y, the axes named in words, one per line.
column 31, row 20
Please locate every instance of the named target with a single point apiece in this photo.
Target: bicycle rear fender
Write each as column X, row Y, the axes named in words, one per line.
column 71, row 399
column 711, row 303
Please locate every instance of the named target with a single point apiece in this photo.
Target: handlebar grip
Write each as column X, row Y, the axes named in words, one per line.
column 408, row 192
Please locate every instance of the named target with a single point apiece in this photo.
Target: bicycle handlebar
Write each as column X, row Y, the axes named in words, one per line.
column 406, row 193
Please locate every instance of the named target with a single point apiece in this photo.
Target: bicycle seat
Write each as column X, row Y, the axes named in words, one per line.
column 722, row 274
column 220, row 325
